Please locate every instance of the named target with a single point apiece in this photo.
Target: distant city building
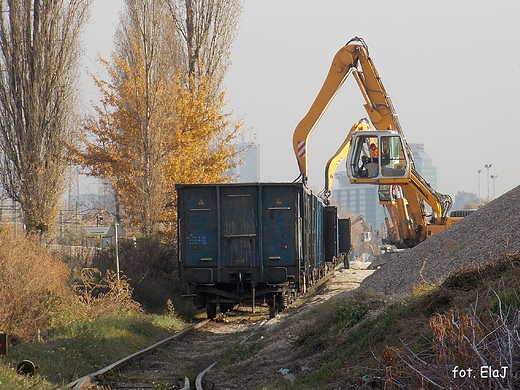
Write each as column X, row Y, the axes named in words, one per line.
column 10, row 212
column 465, row 200
column 424, row 164
column 357, row 199
column 248, row 164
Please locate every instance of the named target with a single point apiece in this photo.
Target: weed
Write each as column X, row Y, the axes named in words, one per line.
column 170, row 308
column 350, row 313
column 453, row 247
column 160, row 386
column 506, row 302
column 104, row 294
column 33, row 287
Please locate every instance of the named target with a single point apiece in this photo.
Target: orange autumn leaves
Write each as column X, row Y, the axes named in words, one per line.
column 152, row 130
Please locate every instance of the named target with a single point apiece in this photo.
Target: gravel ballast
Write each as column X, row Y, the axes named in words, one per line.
column 487, row 234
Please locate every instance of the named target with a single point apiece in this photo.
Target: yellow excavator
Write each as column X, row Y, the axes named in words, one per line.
column 378, row 156
column 365, row 238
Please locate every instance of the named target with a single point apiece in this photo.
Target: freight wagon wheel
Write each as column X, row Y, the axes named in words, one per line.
column 225, row 307
column 211, row 310
column 292, row 298
column 200, row 301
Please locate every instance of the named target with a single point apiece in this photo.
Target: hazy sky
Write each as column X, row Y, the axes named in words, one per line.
column 452, row 69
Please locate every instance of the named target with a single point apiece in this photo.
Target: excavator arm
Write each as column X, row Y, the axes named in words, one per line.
column 338, row 157
column 352, row 58
column 408, row 213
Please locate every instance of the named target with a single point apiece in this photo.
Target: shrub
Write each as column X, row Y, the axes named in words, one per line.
column 33, row 286
column 103, row 295
column 465, row 347
column 150, row 266
column 471, row 347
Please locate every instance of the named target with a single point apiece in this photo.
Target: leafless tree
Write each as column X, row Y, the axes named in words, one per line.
column 39, row 62
column 206, row 28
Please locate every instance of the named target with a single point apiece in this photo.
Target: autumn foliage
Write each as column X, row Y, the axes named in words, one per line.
column 161, row 118
column 147, row 137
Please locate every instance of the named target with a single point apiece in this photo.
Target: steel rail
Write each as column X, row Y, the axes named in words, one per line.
column 88, row 380
column 198, row 380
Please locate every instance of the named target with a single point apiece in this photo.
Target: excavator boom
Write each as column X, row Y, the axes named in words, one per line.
column 392, row 166
column 352, row 58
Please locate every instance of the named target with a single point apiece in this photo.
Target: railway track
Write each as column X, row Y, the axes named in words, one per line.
column 178, row 362
column 230, row 339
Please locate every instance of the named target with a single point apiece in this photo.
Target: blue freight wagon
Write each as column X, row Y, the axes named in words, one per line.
column 255, row 243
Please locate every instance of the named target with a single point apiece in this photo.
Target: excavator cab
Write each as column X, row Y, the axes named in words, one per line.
column 377, row 156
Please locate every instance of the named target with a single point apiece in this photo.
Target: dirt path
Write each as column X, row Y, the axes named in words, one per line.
column 273, row 340
column 342, row 281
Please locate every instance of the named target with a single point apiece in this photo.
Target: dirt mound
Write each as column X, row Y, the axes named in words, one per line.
column 484, row 235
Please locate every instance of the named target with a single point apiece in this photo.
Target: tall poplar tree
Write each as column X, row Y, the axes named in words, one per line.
column 206, row 30
column 39, row 63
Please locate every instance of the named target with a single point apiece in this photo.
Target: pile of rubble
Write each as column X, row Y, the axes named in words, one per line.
column 487, row 234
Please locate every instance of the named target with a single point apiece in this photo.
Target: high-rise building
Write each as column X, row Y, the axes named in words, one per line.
column 248, row 163
column 465, row 200
column 357, row 199
column 424, row 164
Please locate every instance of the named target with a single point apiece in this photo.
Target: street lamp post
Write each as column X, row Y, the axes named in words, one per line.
column 116, row 228
column 493, row 177
column 479, row 198
column 488, row 166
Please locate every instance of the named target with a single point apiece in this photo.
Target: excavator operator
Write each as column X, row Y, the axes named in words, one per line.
column 374, row 153
column 363, row 170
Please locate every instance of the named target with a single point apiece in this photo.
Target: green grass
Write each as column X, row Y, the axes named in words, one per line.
column 83, row 347
column 9, row 379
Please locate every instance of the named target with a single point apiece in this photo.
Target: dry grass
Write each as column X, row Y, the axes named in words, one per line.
column 36, row 293
column 474, row 345
column 104, row 294
column 465, row 349
column 33, row 286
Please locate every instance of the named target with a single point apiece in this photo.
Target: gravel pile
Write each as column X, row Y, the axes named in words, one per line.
column 487, row 234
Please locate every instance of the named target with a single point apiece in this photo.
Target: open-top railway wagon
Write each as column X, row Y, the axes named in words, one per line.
column 255, row 243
